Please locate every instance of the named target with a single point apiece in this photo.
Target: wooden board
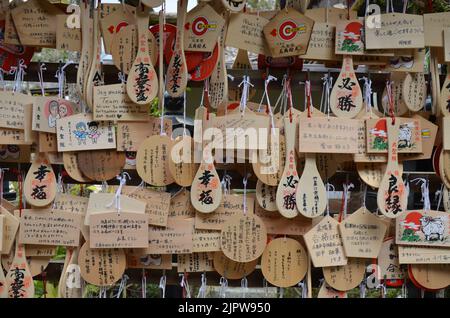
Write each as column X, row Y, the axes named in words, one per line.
column 362, row 234
column 243, row 238
column 424, row 228
column 333, row 135
column 325, row 245
column 284, row 262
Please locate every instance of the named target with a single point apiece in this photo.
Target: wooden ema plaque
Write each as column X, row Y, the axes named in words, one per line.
column 181, row 162
column 231, row 205
column 349, row 37
column 45, row 227
column 243, row 238
column 414, row 91
column 284, row 262
column 250, row 29
column 277, row 224
column 288, row 33
column 101, row 165
column 311, row 195
column 266, row 196
column 430, row 276
column 40, row 182
column 388, row 261
column 152, row 161
column 177, row 72
column 194, row 263
column 398, row 31
column 101, row 267
column 80, row 132
column 346, row 96
column 362, row 234
column 70, row 161
column 230, row 269
column 10, row 227
column 409, row 135
column 114, row 230
column 328, row 135
column 285, row 197
column 206, row 190
column 19, row 279
column 325, row 245
column 346, row 277
column 203, row 26
column 425, row 228
column 142, row 84
column 372, row 172
column 391, row 197
column 412, row 254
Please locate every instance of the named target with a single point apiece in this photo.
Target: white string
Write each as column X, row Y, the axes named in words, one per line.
column 281, row 292
column 203, row 286
column 42, row 68
column 304, row 289
column 424, row 187
column 226, row 183
column 269, row 106
column 266, row 288
column 404, row 292
column 61, row 76
column 116, row 200
column 245, row 93
column 223, row 287
column 144, row 284
column 162, row 284
column 19, row 73
column 362, row 289
column 405, row 5
column 245, row 180
column 364, row 196
column 244, row 286
column 330, row 187
column 439, row 193
column 347, row 188
column 102, row 293
column 368, row 94
column 185, row 284
column 122, row 77
column 123, row 285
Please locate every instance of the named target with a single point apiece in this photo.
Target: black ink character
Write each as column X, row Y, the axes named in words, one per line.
column 205, row 197
column 39, row 193
column 41, row 173
column 345, row 103
column 289, row 201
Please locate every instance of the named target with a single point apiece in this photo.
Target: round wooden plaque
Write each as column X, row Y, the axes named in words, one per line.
column 231, row 269
column 345, row 277
column 70, row 161
column 152, row 160
column 185, row 169
column 266, row 196
column 431, row 276
column 101, row 267
column 101, row 165
column 243, row 238
column 372, row 172
column 284, row 262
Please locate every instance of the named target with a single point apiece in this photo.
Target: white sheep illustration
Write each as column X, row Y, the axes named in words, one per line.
column 433, row 228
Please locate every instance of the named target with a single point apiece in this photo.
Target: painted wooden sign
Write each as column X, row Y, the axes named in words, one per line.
column 426, row 228
column 392, row 196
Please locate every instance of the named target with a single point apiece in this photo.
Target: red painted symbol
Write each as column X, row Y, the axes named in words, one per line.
column 200, row 26
column 288, row 30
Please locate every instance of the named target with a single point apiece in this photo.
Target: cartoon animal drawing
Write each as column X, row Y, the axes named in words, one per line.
column 433, row 228
column 93, row 134
column 147, row 260
column 81, row 132
column 405, row 135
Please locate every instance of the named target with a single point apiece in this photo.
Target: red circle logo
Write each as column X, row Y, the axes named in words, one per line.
column 288, row 30
column 199, row 26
